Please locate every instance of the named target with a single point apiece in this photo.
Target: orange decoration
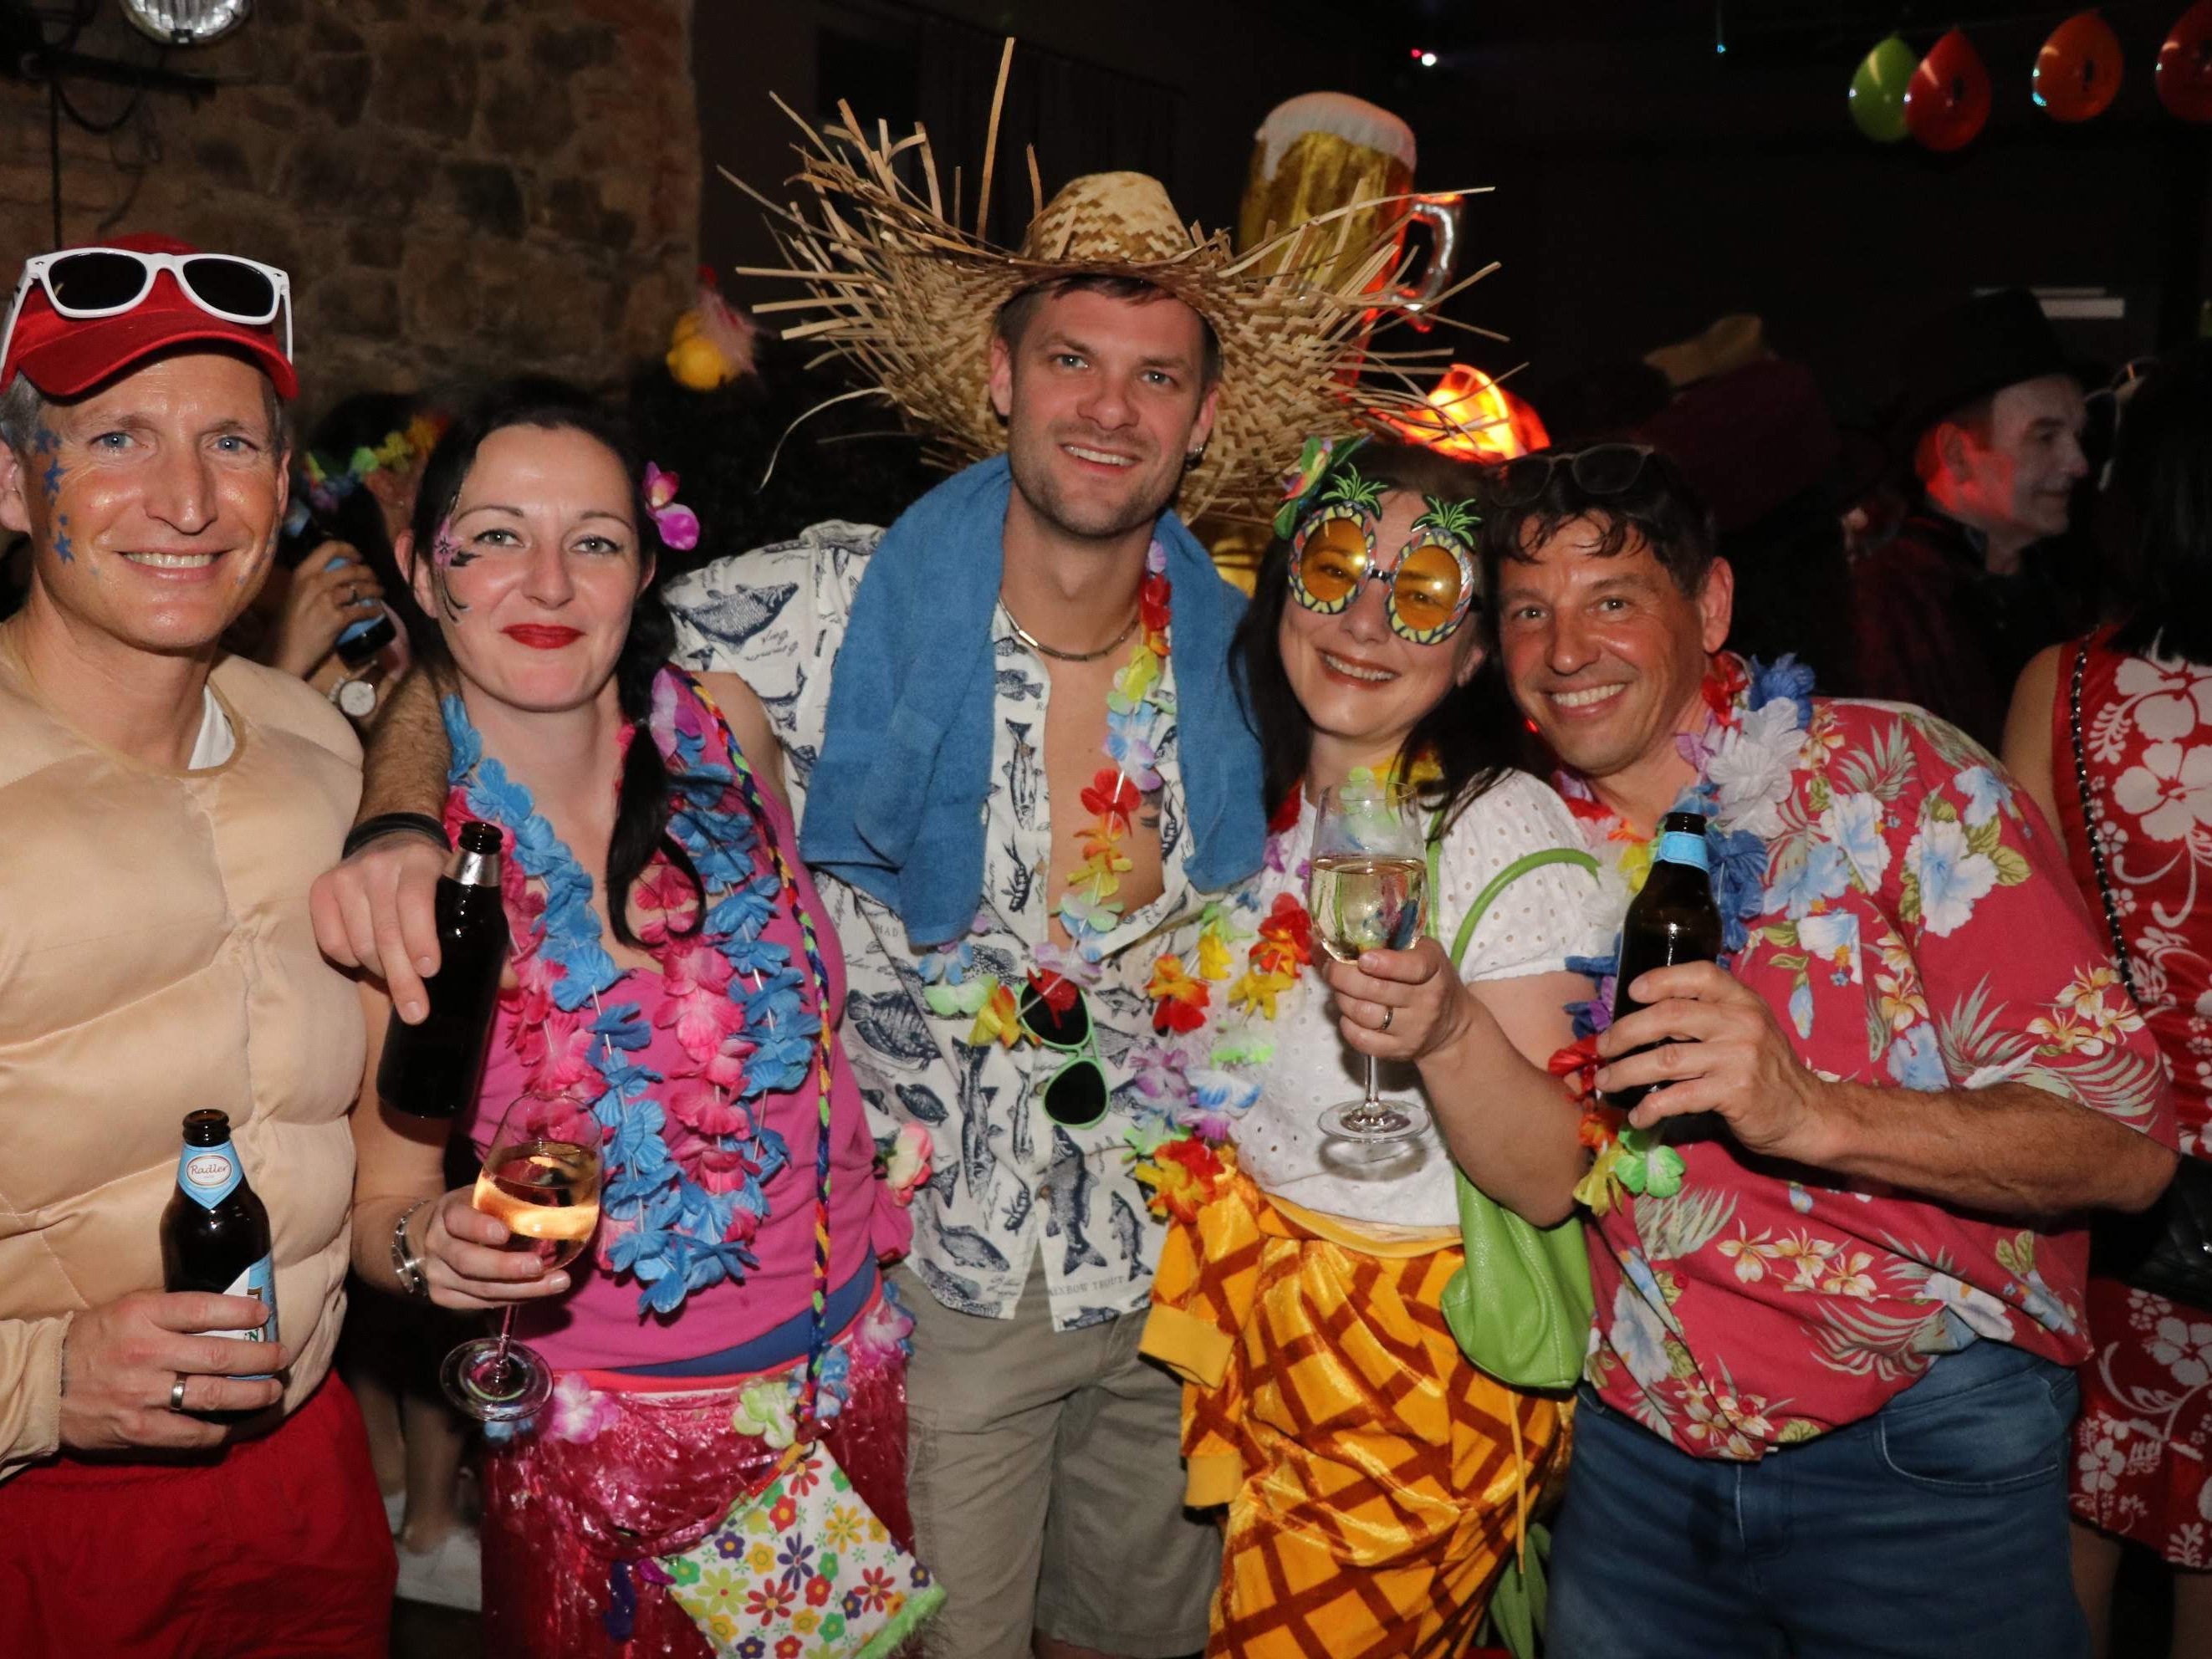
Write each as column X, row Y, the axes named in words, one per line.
column 1471, row 417
column 2185, row 65
column 1948, row 100
column 2077, row 73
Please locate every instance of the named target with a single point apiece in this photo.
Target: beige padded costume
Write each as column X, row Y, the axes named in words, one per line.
column 155, row 957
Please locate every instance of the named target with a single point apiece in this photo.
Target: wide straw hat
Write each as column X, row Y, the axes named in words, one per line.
column 898, row 287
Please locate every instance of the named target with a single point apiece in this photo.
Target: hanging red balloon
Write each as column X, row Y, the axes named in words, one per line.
column 1948, row 99
column 2077, row 73
column 2185, row 65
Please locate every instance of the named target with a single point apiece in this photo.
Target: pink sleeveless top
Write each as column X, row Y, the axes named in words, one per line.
column 598, row 1325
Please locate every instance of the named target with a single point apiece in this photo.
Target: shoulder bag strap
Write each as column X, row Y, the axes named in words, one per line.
column 1497, row 884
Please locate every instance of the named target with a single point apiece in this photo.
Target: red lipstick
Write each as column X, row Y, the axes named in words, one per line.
column 543, row 636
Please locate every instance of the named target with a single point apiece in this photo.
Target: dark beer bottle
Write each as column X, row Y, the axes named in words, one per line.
column 1673, row 919
column 432, row 1069
column 214, row 1234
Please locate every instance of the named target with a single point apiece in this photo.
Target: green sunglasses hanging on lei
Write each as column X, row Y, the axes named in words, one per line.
column 1197, row 1072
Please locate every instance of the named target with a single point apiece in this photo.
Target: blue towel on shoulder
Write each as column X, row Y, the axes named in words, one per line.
column 896, row 802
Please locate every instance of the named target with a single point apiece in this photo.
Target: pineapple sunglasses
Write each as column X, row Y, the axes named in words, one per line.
column 1431, row 585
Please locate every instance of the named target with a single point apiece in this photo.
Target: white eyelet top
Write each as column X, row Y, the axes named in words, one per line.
column 1533, row 927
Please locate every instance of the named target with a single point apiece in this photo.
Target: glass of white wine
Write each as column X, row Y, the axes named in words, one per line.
column 547, row 1193
column 1369, row 891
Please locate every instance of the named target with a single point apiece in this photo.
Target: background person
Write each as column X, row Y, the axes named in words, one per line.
column 164, row 810
column 1950, row 609
column 2145, row 745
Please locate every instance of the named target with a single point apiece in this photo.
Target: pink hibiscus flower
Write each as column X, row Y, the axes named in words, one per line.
column 707, row 1107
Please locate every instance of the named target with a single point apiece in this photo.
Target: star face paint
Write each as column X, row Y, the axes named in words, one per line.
column 154, row 503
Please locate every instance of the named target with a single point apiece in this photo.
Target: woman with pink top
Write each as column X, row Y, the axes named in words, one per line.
column 729, row 1366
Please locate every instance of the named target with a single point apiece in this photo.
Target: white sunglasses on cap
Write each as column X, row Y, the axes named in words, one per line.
column 86, row 283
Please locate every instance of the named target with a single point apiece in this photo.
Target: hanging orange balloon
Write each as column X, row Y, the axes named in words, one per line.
column 1948, row 99
column 2077, row 73
column 2185, row 65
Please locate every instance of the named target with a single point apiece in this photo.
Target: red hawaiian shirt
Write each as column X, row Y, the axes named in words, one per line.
column 1916, row 928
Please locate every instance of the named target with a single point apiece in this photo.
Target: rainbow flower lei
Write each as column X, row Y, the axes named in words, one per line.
column 684, row 1167
column 329, row 484
column 1187, row 1095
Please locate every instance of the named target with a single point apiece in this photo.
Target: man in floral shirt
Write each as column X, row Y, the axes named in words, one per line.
column 1837, row 1249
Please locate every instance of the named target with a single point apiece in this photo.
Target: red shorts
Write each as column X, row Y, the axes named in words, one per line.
column 276, row 1549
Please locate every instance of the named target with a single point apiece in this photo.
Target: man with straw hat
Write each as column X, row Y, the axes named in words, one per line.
column 1030, row 783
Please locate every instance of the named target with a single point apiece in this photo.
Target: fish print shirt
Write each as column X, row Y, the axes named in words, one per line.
column 1005, row 1182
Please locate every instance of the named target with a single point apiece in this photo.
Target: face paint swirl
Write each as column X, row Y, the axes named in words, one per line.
column 448, row 555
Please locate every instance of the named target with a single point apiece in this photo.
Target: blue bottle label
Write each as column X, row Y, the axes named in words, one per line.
column 259, row 1282
column 209, row 1175
column 1677, row 847
column 354, row 630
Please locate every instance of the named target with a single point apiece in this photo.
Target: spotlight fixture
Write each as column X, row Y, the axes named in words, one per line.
column 186, row 22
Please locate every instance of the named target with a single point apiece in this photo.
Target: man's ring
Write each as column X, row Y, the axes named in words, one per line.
column 177, row 1394
column 1389, row 1014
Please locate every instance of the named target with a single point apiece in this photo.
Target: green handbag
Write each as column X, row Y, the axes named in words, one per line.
column 1520, row 1308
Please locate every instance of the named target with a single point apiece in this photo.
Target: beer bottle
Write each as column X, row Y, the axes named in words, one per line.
column 432, row 1069
column 1673, row 919
column 214, row 1233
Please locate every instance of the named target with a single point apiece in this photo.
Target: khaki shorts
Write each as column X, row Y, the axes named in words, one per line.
column 1046, row 1478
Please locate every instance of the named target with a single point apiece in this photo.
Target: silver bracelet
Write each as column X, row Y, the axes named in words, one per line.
column 404, row 1262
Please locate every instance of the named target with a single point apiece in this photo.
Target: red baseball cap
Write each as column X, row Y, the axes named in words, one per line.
column 66, row 356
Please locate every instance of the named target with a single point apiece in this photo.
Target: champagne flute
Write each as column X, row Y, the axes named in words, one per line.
column 547, row 1193
column 1369, row 892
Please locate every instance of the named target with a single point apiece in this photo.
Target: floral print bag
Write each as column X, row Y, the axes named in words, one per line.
column 802, row 1569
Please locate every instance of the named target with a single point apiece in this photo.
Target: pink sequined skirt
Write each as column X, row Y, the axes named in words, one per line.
column 575, row 1512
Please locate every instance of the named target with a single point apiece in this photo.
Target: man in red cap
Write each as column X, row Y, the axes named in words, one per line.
column 168, row 1485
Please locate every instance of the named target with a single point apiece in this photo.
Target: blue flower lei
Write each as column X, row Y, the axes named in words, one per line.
column 1737, row 858
column 674, row 1235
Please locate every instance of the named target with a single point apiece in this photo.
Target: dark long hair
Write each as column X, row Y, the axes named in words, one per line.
column 1473, row 731
column 642, row 808
column 2158, row 510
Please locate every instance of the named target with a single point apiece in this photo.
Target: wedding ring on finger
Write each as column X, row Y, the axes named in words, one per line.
column 1389, row 1014
column 177, row 1394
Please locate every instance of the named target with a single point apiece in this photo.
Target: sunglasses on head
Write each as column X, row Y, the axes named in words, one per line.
column 82, row 283
column 1052, row 1011
column 1601, row 470
column 1430, row 587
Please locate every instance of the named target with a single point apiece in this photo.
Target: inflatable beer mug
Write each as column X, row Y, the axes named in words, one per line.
column 1324, row 151
column 1323, row 154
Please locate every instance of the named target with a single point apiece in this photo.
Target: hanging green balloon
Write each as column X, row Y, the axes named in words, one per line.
column 1878, row 90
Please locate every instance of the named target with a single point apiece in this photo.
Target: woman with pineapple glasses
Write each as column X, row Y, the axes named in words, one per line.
column 1363, row 1459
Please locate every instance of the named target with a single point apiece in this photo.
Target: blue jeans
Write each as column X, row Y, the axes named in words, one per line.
column 1933, row 1530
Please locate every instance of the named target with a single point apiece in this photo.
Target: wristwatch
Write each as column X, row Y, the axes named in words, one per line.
column 404, row 1263
column 355, row 699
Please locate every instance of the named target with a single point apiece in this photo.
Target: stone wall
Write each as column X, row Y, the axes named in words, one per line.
column 459, row 188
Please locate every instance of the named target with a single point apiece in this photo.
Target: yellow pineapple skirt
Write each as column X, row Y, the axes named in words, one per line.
column 1376, row 1483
